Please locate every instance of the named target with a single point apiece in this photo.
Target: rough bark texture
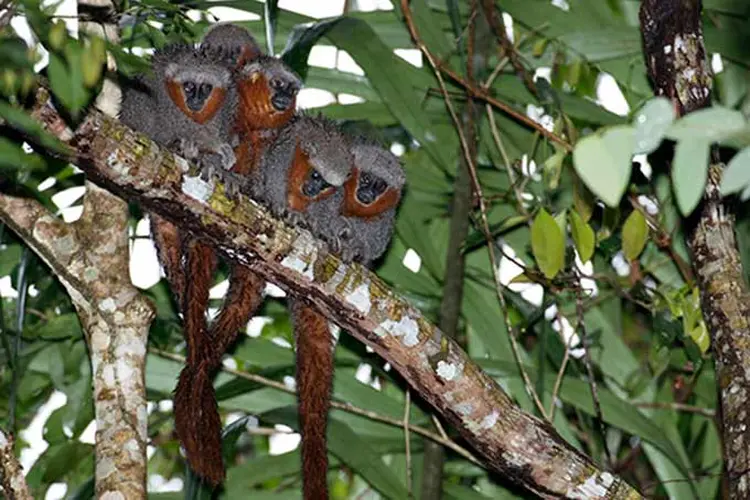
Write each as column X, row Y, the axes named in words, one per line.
column 12, row 480
column 116, row 319
column 676, row 59
column 513, row 443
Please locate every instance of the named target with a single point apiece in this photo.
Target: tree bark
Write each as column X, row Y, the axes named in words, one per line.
column 676, row 61
column 511, row 442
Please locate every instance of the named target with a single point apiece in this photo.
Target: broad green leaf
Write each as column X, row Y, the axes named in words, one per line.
column 603, row 161
column 634, row 235
column 60, row 327
column 707, row 125
column 547, row 244
column 301, row 42
column 689, row 173
column 699, row 334
column 651, row 124
column 66, row 79
column 583, row 236
column 736, row 176
column 358, row 454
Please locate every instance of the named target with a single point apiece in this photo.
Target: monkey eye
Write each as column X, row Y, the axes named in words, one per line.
column 276, row 83
column 314, row 184
column 189, row 88
column 365, row 178
column 205, row 90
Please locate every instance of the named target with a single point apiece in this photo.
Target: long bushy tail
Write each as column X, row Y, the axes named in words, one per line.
column 196, row 415
column 314, row 380
column 243, row 299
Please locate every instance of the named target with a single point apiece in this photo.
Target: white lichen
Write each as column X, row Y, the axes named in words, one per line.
column 197, row 188
column 407, row 328
column 490, row 420
column 446, row 371
column 360, row 298
column 108, row 305
column 595, row 486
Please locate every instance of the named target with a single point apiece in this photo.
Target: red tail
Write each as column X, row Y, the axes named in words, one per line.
column 243, row 299
column 314, row 381
column 196, row 415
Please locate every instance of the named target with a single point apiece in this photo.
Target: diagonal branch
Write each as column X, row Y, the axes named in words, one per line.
column 509, row 441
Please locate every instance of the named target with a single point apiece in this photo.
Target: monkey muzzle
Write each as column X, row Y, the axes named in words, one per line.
column 282, row 99
column 196, row 95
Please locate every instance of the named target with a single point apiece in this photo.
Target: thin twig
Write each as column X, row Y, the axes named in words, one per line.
column 407, row 444
column 581, row 327
column 561, row 372
column 479, row 194
column 482, row 95
column 439, row 426
column 347, row 407
column 706, row 412
column 510, row 51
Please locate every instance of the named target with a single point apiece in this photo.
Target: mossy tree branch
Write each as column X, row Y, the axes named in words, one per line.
column 509, row 441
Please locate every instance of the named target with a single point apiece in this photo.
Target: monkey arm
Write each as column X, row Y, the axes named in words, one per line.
column 506, row 439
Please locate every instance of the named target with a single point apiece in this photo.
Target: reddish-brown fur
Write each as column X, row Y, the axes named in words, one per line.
column 197, row 419
column 168, row 244
column 213, row 103
column 352, row 207
column 314, row 381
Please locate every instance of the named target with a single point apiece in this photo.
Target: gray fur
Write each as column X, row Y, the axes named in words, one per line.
column 231, row 38
column 333, row 162
column 148, row 108
column 364, row 240
column 379, row 161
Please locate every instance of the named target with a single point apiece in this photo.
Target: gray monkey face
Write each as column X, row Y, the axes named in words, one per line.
column 370, row 187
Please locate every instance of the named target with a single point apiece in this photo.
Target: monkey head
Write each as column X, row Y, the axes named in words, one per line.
column 197, row 82
column 375, row 183
column 321, row 163
column 238, row 43
column 268, row 93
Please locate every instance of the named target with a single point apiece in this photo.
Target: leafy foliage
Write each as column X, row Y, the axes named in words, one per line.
column 643, row 326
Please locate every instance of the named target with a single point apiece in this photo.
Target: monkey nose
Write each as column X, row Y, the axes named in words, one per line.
column 281, row 101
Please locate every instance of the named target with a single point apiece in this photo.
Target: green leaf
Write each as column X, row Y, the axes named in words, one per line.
column 583, row 236
column 707, row 125
column 60, row 327
column 689, row 173
column 270, row 18
column 737, row 174
column 634, row 235
column 547, row 244
column 651, row 124
column 20, row 120
column 603, row 161
column 66, row 80
column 359, row 455
column 301, row 42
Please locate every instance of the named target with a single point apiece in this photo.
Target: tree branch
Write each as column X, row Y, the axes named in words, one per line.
column 676, row 61
column 11, row 474
column 511, row 442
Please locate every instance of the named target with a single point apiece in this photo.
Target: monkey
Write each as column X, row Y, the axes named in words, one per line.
column 306, row 166
column 188, row 105
column 239, row 44
column 266, row 91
